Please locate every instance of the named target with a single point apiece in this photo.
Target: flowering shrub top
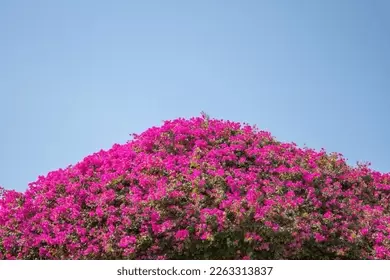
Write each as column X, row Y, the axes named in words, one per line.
column 201, row 189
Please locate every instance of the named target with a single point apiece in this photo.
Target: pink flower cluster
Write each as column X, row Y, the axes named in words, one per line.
column 201, row 189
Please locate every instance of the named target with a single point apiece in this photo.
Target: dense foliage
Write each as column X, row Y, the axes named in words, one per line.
column 201, row 189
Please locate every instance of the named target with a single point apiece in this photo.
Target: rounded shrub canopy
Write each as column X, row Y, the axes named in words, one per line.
column 201, row 189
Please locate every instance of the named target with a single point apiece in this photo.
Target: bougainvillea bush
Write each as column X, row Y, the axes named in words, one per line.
column 201, row 189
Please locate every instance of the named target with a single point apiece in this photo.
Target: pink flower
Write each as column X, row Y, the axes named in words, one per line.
column 126, row 241
column 364, row 231
column 319, row 237
column 205, row 236
column 99, row 212
column 182, row 234
column 327, row 215
column 43, row 252
column 380, row 251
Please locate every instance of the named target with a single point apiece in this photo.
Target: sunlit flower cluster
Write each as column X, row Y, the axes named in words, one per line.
column 201, row 188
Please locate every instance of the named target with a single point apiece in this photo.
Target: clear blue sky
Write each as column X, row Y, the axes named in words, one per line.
column 79, row 76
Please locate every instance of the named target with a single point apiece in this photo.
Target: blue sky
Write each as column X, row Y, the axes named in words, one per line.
column 79, row 76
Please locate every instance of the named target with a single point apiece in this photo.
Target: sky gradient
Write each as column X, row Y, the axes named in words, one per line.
column 79, row 76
